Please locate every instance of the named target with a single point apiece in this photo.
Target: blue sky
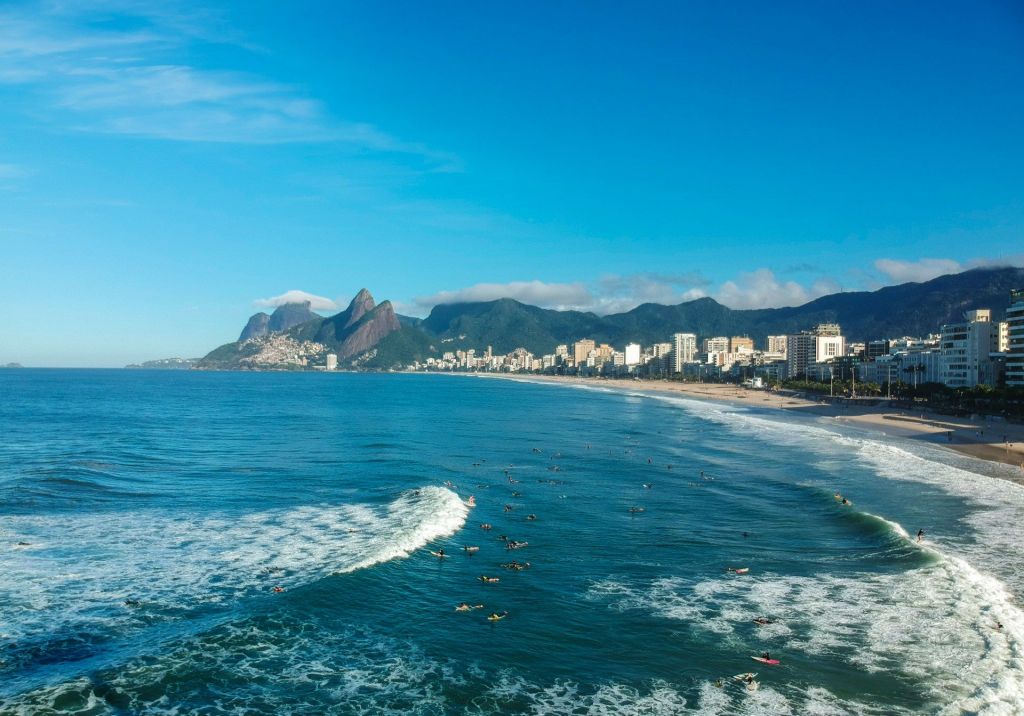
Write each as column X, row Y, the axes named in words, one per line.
column 166, row 169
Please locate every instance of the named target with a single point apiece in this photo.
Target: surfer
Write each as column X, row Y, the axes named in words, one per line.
column 920, row 535
column 531, row 517
column 489, row 580
column 135, row 603
column 766, row 656
column 485, row 526
column 508, row 508
column 278, row 590
column 471, row 502
column 762, row 621
column 495, row 617
column 463, row 607
column 440, row 553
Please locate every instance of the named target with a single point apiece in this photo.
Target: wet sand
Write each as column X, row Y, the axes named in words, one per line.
column 986, row 439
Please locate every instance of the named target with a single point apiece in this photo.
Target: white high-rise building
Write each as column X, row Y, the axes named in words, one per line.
column 966, row 347
column 632, row 354
column 718, row 344
column 661, row 350
column 1015, row 339
column 825, row 343
column 684, row 350
column 332, row 361
column 776, row 345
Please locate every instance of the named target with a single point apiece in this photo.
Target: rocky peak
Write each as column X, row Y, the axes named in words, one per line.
column 290, row 315
column 378, row 323
column 256, row 327
column 361, row 305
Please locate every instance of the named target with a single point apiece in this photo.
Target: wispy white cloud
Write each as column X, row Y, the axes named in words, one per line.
column 94, row 77
column 610, row 294
column 13, row 171
column 536, row 293
column 761, row 289
column 920, row 270
column 620, row 293
column 928, row 268
column 615, row 294
column 317, row 303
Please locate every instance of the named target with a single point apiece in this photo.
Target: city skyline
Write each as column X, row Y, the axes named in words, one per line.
column 191, row 163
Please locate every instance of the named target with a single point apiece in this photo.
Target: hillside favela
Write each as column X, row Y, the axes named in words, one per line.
column 539, row 359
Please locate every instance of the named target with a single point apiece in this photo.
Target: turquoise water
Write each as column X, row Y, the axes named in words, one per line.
column 193, row 495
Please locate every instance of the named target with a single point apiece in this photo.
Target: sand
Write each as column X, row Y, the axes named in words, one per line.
column 980, row 437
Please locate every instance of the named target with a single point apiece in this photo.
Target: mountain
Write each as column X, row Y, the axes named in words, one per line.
column 374, row 336
column 258, row 325
column 284, row 317
column 908, row 309
column 295, row 336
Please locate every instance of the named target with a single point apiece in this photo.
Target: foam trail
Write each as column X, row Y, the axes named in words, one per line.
column 78, row 569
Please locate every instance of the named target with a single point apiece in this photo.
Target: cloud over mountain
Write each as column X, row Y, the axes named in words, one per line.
column 317, row 303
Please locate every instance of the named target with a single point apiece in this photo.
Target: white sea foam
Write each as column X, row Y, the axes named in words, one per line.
column 83, row 566
column 933, row 625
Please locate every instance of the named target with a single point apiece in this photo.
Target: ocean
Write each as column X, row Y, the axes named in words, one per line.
column 260, row 543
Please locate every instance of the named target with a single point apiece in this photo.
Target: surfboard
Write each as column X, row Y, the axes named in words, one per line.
column 773, row 662
column 742, row 570
column 438, row 555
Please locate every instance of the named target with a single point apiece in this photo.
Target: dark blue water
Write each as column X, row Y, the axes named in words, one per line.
column 146, row 519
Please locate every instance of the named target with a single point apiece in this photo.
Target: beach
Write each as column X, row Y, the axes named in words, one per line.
column 980, row 437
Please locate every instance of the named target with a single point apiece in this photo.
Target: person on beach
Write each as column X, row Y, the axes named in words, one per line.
column 920, row 535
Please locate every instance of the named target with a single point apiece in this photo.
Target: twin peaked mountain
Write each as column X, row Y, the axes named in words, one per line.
column 350, row 333
column 375, row 337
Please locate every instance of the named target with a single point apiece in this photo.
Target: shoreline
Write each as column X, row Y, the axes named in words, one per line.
column 970, row 437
